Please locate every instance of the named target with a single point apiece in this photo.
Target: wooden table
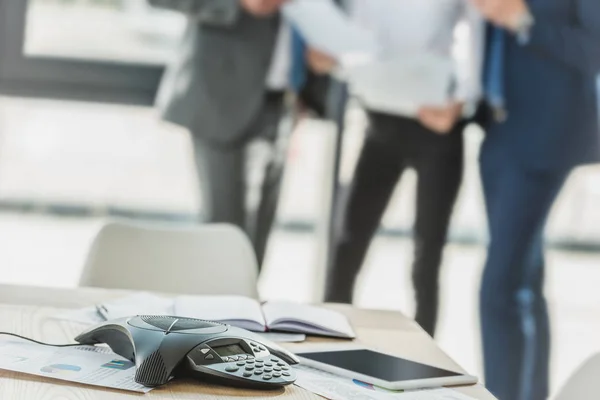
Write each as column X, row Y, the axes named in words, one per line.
column 27, row 311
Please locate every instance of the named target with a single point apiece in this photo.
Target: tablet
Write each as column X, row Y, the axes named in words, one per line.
column 384, row 370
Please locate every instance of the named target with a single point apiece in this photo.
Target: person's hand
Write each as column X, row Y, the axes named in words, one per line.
column 440, row 119
column 262, row 8
column 504, row 13
column 319, row 62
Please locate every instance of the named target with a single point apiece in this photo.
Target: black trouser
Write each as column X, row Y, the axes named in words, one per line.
column 224, row 171
column 393, row 144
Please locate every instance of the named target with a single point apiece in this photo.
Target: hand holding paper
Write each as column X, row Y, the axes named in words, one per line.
column 399, row 84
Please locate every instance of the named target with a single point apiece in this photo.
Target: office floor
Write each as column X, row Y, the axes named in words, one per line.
column 100, row 156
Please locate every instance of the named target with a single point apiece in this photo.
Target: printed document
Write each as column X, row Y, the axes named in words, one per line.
column 401, row 86
column 327, row 28
column 90, row 365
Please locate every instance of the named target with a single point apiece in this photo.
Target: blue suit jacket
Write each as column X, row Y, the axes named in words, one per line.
column 550, row 88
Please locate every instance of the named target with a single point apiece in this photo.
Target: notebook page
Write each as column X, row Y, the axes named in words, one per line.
column 305, row 318
column 234, row 310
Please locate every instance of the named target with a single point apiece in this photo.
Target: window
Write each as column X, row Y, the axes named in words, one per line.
column 106, row 30
column 98, row 50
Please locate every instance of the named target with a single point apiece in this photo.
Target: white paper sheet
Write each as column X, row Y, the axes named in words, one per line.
column 334, row 387
column 97, row 366
column 402, row 86
column 135, row 304
column 327, row 28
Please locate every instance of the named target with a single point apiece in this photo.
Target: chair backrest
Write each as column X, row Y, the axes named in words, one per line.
column 209, row 259
column 583, row 385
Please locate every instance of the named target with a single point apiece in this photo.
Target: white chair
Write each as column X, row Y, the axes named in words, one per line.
column 209, row 259
column 583, row 385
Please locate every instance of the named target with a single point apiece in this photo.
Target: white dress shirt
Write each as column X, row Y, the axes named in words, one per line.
column 413, row 27
column 278, row 77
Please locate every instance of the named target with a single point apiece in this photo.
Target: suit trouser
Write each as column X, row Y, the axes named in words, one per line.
column 514, row 315
column 241, row 182
column 393, row 144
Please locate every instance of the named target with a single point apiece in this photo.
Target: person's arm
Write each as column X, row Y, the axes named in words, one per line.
column 211, row 12
column 576, row 45
column 469, row 79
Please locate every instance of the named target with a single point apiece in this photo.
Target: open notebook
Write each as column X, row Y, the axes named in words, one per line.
column 238, row 311
column 249, row 314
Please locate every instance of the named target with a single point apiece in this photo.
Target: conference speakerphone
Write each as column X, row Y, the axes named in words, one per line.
column 165, row 347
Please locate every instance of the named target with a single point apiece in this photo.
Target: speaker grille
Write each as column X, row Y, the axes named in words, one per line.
column 158, row 321
column 182, row 324
column 152, row 372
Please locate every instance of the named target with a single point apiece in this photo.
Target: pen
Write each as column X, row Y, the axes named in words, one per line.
column 102, row 311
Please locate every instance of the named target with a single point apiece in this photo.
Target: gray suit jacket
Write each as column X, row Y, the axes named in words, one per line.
column 216, row 86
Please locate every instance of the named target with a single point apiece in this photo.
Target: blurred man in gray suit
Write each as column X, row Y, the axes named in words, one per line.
column 228, row 88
